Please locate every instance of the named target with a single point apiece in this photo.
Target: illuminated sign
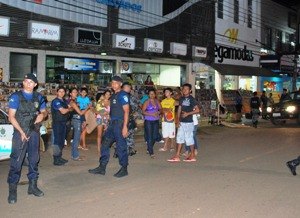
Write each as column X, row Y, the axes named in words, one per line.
column 122, row 4
column 88, row 37
column 43, row 31
column 152, row 45
column 199, row 52
column 178, row 48
column 4, row 26
column 223, row 52
column 81, row 64
column 123, row 41
column 232, row 34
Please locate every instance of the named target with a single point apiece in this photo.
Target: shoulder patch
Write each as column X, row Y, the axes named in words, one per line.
column 125, row 98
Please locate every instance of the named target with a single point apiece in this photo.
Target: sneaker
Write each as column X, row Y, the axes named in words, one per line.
column 291, row 167
column 190, row 160
column 162, row 149
column 174, row 159
column 161, row 141
column 78, row 159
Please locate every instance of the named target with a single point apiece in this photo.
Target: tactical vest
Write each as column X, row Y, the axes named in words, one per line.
column 116, row 108
column 255, row 103
column 27, row 111
column 57, row 116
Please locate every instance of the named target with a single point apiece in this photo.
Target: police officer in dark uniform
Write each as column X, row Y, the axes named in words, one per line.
column 255, row 104
column 293, row 164
column 60, row 115
column 26, row 111
column 117, row 130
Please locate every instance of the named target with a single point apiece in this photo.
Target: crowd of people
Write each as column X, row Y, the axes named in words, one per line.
column 114, row 114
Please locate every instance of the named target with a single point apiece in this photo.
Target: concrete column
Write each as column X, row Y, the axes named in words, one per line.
column 41, row 66
column 190, row 76
column 4, row 63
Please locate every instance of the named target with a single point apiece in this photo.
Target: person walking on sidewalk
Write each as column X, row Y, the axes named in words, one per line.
column 255, row 104
column 117, row 130
column 293, row 164
column 26, row 112
column 188, row 106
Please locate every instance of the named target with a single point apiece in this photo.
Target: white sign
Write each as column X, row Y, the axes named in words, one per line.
column 199, row 52
column 126, row 67
column 43, row 31
column 4, row 26
column 152, row 45
column 178, row 48
column 123, row 41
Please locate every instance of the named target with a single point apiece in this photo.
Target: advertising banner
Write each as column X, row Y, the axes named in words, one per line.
column 178, row 48
column 123, row 41
column 43, row 31
column 81, row 64
column 88, row 37
column 152, row 45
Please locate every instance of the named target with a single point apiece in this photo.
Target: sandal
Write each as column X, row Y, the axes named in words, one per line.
column 174, row 159
column 162, row 149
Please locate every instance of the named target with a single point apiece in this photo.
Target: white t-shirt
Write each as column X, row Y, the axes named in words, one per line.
column 195, row 119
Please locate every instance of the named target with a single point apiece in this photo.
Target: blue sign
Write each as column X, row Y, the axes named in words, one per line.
column 81, row 64
column 122, row 4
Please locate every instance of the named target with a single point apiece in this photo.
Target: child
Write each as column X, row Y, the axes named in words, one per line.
column 168, row 121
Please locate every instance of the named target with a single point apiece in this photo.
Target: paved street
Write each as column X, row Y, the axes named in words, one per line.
column 240, row 172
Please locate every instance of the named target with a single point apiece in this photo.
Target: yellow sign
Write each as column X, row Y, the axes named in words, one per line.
column 232, row 34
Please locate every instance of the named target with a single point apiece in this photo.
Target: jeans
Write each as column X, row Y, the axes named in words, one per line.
column 58, row 137
column 255, row 115
column 19, row 150
column 152, row 131
column 111, row 135
column 77, row 126
column 196, row 145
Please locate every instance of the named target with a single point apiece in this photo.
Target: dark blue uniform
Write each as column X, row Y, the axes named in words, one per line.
column 114, row 130
column 26, row 105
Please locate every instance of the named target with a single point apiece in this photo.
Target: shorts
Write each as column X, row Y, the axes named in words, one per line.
column 168, row 130
column 101, row 120
column 185, row 134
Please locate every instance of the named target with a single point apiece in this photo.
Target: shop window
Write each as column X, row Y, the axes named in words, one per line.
column 68, row 70
column 236, row 11
column 22, row 64
column 220, row 9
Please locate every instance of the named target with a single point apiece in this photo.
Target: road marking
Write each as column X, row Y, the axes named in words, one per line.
column 263, row 154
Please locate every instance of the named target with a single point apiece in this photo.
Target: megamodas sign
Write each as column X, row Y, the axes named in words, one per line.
column 123, row 41
column 81, row 64
column 88, row 37
column 224, row 52
column 43, row 31
column 121, row 4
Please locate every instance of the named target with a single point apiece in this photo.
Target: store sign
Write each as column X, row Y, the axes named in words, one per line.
column 224, row 52
column 88, row 37
column 123, row 41
column 199, row 52
column 178, row 48
column 232, row 34
column 126, row 5
column 152, row 45
column 4, row 26
column 126, row 67
column 81, row 64
column 43, row 31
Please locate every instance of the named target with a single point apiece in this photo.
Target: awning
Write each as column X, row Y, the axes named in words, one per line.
column 226, row 69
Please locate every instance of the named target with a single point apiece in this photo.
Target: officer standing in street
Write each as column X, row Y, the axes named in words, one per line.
column 117, row 130
column 255, row 104
column 27, row 110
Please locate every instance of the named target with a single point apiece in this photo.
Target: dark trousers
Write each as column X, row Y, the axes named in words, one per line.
column 111, row 135
column 59, row 134
column 31, row 147
column 152, row 131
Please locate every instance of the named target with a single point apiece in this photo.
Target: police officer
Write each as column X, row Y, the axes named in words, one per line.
column 26, row 111
column 60, row 115
column 255, row 104
column 117, row 130
column 293, row 164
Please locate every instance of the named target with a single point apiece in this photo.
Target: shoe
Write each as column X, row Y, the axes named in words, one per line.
column 80, row 147
column 162, row 149
column 12, row 196
column 132, row 152
column 292, row 168
column 174, row 159
column 152, row 156
column 63, row 160
column 190, row 160
column 78, row 159
column 57, row 161
column 161, row 141
column 101, row 169
column 85, row 149
column 33, row 189
column 122, row 172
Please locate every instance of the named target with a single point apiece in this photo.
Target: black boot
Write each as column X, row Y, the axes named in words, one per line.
column 101, row 169
column 122, row 172
column 12, row 196
column 33, row 189
column 63, row 160
column 57, row 161
column 292, row 165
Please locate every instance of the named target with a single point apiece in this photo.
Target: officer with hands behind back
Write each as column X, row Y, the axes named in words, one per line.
column 27, row 110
